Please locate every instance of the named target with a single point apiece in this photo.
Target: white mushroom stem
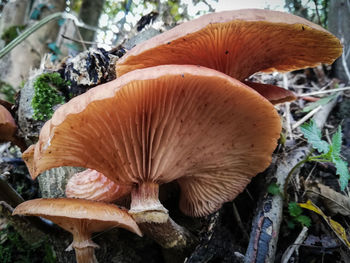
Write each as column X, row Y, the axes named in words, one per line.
column 145, row 206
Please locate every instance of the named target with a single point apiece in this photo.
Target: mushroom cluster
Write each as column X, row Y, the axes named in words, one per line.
column 181, row 110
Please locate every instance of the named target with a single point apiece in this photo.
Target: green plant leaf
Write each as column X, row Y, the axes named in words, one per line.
column 294, row 209
column 342, row 171
column 274, row 189
column 304, row 220
column 320, row 102
column 337, row 142
column 313, row 135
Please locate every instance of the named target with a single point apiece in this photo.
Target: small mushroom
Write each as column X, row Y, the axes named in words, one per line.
column 81, row 218
column 272, row 93
column 238, row 43
column 8, row 129
column 92, row 185
column 8, row 126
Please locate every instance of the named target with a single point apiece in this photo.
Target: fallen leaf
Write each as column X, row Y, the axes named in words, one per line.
column 334, row 202
column 335, row 226
column 324, row 240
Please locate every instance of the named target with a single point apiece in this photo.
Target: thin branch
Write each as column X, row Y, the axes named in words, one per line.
column 345, row 66
column 239, row 222
column 323, row 92
column 84, row 41
column 300, row 239
column 306, row 117
column 317, row 13
column 79, row 35
column 287, row 105
column 8, row 194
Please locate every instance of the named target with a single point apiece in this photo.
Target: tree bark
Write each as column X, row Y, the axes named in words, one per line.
column 338, row 24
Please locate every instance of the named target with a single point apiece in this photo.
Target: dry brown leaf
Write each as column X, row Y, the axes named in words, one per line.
column 334, row 202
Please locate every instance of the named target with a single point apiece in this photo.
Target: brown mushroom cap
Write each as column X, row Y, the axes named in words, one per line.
column 7, row 125
column 272, row 93
column 159, row 124
column 238, row 43
column 65, row 212
column 92, row 185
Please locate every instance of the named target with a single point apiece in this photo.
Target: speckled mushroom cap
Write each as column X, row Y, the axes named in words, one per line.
column 165, row 123
column 238, row 43
column 7, row 125
column 92, row 185
column 66, row 212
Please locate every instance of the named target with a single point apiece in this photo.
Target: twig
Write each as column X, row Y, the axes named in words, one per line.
column 317, row 13
column 328, row 137
column 306, row 117
column 81, row 42
column 8, row 194
column 79, row 35
column 239, row 222
column 345, row 65
column 300, row 239
column 289, row 125
column 323, row 92
column 267, row 220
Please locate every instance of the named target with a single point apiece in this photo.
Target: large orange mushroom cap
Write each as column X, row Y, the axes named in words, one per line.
column 160, row 124
column 238, row 43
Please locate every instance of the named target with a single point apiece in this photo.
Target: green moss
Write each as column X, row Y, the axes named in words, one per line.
column 11, row 33
column 47, row 95
column 14, row 249
column 8, row 91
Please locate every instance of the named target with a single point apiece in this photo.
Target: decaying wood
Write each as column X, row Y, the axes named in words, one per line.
column 177, row 242
column 24, row 226
column 52, row 183
column 8, row 194
column 268, row 217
